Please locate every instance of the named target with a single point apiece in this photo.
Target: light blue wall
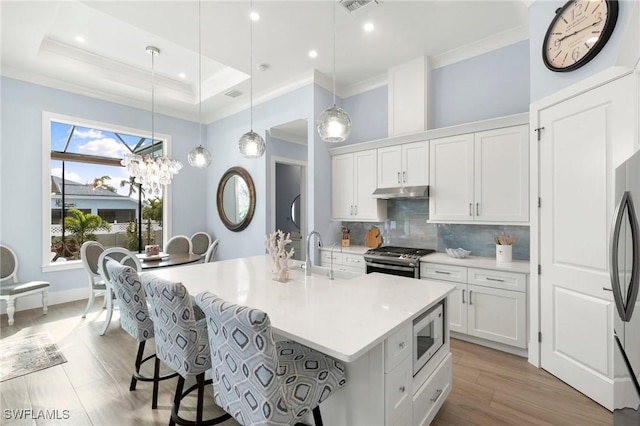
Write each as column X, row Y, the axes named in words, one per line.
column 368, row 112
column 545, row 82
column 21, row 162
column 490, row 85
column 222, row 141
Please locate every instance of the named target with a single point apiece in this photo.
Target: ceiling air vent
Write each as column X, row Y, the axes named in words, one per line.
column 234, row 93
column 358, row 7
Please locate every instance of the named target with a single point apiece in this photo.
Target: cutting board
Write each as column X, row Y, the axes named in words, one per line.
column 373, row 238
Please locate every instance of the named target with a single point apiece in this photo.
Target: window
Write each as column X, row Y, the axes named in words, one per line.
column 89, row 194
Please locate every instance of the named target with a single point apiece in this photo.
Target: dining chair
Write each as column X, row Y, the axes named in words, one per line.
column 11, row 288
column 179, row 244
column 90, row 251
column 200, row 242
column 257, row 380
column 135, row 320
column 210, row 255
column 181, row 341
column 123, row 256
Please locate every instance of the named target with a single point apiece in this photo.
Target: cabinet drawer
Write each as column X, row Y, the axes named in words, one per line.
column 325, row 258
column 498, row 279
column 397, row 392
column 443, row 272
column 354, row 261
column 397, row 347
column 432, row 394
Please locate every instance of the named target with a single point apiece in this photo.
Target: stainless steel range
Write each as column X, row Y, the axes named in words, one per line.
column 403, row 261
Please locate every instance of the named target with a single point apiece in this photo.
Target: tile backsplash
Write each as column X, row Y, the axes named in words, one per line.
column 406, row 226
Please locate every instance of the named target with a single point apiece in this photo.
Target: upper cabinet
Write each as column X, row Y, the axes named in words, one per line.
column 480, row 177
column 403, row 165
column 353, row 180
column 408, row 95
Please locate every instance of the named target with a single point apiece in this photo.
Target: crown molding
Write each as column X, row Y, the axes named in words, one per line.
column 364, row 86
column 287, row 137
column 480, row 47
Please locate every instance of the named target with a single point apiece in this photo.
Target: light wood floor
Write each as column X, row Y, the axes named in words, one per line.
column 489, row 387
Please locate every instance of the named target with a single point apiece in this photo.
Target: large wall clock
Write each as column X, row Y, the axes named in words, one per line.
column 578, row 33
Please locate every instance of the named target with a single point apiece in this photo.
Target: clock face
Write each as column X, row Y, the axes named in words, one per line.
column 578, row 32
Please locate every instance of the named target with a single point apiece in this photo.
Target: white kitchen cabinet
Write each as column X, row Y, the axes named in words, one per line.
column 480, row 177
column 408, row 95
column 343, row 260
column 353, row 180
column 488, row 304
column 403, row 165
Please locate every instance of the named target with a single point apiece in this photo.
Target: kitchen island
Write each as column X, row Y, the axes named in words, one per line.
column 365, row 321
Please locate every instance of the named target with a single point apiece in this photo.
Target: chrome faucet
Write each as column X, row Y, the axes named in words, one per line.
column 330, row 273
column 307, row 262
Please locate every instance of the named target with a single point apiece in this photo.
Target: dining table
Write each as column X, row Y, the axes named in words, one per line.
column 164, row 260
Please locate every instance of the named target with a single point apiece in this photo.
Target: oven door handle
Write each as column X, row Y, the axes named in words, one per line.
column 393, row 267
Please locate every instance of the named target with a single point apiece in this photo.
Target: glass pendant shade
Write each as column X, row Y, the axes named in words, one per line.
column 199, row 157
column 251, row 145
column 334, row 125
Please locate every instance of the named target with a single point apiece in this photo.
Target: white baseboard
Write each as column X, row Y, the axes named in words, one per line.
column 55, row 298
column 493, row 345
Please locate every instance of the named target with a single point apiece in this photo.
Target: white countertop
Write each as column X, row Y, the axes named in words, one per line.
column 350, row 249
column 343, row 318
column 521, row 266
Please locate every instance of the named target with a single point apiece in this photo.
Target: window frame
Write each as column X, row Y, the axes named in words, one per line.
column 47, row 119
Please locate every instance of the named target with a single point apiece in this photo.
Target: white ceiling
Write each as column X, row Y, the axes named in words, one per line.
column 38, row 45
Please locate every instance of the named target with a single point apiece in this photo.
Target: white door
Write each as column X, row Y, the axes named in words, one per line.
column 498, row 315
column 451, row 178
column 415, row 164
column 502, row 175
column 342, row 186
column 457, row 308
column 389, row 165
column 583, row 140
column 364, row 163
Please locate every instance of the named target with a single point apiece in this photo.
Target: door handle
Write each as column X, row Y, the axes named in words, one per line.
column 470, row 293
column 500, row 280
column 404, row 176
column 463, row 296
column 442, row 272
column 477, row 209
column 398, row 177
column 624, row 310
column 351, row 213
column 356, row 213
column 470, row 209
column 607, row 289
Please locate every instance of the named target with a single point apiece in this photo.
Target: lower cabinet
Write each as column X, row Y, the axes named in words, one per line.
column 488, row 304
column 428, row 399
column 343, row 261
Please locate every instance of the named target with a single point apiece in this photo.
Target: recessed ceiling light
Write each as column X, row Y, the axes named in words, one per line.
column 182, row 75
column 80, row 39
column 313, row 53
column 254, row 16
column 368, row 27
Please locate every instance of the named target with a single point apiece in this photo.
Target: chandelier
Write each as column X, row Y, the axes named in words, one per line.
column 150, row 171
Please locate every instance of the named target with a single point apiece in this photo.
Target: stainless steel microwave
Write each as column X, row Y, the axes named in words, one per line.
column 428, row 335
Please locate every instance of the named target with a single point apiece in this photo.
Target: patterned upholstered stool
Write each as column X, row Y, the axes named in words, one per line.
column 259, row 381
column 135, row 320
column 181, row 341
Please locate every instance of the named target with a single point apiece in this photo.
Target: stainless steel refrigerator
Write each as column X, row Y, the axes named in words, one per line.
column 625, row 281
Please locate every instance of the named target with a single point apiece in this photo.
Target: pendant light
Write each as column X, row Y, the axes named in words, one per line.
column 199, row 156
column 152, row 172
column 251, row 144
column 334, row 124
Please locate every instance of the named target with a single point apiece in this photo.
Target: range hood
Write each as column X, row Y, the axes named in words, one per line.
column 402, row 192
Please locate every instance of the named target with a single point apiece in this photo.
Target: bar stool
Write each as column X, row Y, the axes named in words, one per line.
column 257, row 380
column 181, row 341
column 135, row 320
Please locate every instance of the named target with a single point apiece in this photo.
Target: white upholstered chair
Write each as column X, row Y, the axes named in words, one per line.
column 11, row 288
column 125, row 257
column 90, row 251
column 200, row 242
column 179, row 244
column 210, row 255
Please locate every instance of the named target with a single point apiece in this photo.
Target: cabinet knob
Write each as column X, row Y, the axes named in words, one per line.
column 401, row 389
column 401, row 345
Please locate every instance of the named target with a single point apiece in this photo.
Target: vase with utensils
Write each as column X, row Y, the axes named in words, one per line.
column 504, row 243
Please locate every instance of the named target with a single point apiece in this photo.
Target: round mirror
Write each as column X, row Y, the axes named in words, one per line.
column 236, row 199
column 295, row 211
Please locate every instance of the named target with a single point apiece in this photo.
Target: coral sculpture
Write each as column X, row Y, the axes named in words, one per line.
column 276, row 244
